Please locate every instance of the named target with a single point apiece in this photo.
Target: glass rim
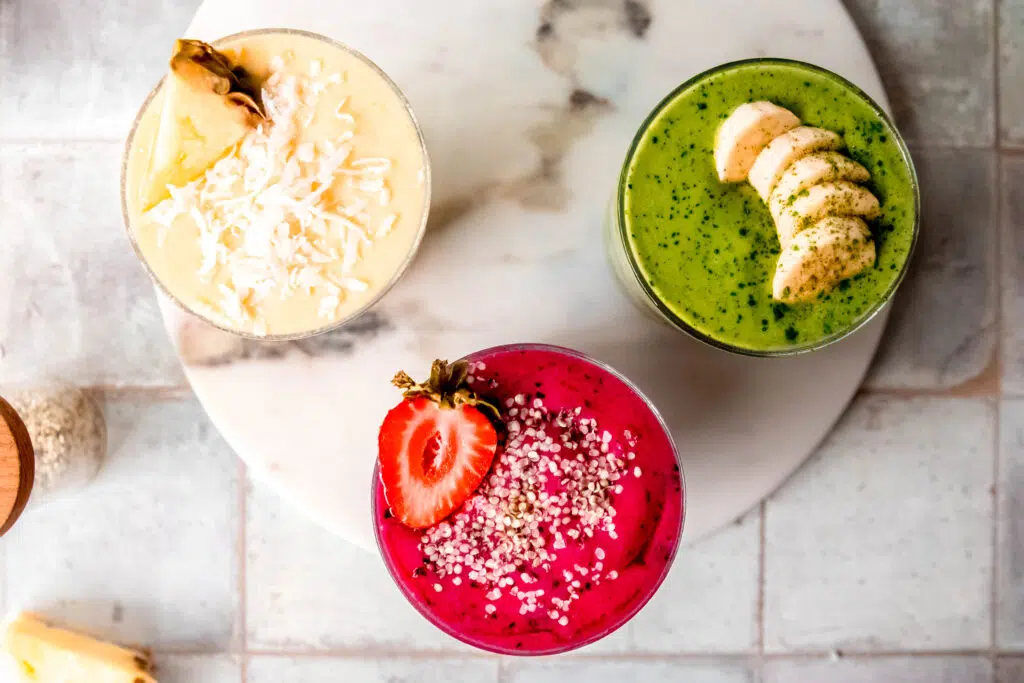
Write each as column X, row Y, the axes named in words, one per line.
column 676, row 320
column 413, row 247
column 627, row 615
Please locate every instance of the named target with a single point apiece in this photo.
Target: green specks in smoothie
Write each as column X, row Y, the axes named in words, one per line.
column 732, row 267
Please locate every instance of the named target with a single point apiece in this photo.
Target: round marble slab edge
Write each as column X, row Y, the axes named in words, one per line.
column 527, row 108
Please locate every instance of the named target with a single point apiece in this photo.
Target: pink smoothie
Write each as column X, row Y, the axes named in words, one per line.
column 575, row 526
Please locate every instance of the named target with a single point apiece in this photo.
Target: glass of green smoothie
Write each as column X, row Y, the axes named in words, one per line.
column 767, row 207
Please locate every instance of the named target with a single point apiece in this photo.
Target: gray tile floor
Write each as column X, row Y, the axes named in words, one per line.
column 911, row 568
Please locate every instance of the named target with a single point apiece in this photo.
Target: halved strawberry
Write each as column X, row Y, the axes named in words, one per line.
column 435, row 447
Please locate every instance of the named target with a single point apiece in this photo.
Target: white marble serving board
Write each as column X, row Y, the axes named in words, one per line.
column 528, row 108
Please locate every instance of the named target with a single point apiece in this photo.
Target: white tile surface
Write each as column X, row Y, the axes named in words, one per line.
column 1013, row 274
column 75, row 300
column 1010, row 670
column 562, row 670
column 307, row 589
column 381, row 670
column 1010, row 570
column 880, row 670
column 884, row 540
column 198, row 669
column 936, row 60
column 147, row 553
column 1011, row 65
column 942, row 331
column 708, row 602
column 82, row 69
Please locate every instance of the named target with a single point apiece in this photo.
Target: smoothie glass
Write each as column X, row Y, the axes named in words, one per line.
column 648, row 515
column 143, row 130
column 622, row 250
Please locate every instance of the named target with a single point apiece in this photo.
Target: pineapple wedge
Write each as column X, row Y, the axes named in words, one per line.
column 208, row 107
column 44, row 654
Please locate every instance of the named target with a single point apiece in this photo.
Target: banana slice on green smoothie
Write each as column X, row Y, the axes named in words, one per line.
column 208, row 107
column 817, row 167
column 743, row 135
column 776, row 157
column 840, row 198
column 820, row 257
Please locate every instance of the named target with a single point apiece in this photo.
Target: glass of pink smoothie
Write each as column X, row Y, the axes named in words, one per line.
column 576, row 524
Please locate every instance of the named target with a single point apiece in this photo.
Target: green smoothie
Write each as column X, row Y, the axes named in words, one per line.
column 707, row 250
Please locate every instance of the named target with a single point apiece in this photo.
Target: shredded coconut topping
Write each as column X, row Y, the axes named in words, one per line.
column 277, row 216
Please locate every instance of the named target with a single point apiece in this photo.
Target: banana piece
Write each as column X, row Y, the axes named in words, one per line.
column 743, row 135
column 840, row 198
column 776, row 157
column 817, row 167
column 833, row 249
column 811, row 191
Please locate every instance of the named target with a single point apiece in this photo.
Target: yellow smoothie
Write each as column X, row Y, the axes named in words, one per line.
column 310, row 217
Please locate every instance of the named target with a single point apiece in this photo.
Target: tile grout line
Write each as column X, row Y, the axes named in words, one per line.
column 761, row 554
column 243, row 488
column 996, row 89
column 999, row 267
column 995, row 574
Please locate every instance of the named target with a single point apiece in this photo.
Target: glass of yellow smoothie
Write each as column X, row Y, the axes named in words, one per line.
column 275, row 183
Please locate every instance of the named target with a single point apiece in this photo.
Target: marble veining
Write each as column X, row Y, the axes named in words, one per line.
column 528, row 110
column 201, row 344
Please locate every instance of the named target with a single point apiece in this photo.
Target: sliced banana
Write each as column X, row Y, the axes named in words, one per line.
column 776, row 157
column 818, row 258
column 817, row 167
column 811, row 191
column 841, row 198
column 743, row 135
